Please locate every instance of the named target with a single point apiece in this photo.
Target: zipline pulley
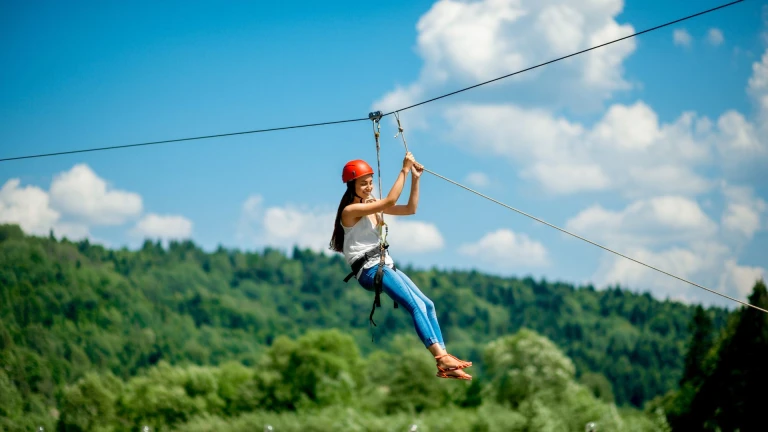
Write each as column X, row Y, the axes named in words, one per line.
column 375, row 116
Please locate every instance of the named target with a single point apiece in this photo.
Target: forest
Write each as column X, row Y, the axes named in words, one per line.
column 176, row 338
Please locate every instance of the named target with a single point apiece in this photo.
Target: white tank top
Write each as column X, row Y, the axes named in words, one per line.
column 361, row 238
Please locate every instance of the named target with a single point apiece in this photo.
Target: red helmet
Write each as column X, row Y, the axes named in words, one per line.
column 355, row 169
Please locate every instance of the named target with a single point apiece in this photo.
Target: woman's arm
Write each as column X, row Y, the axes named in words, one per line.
column 364, row 209
column 413, row 199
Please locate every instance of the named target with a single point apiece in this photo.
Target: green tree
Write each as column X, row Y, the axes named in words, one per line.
column 701, row 341
column 321, row 368
column 599, row 385
column 11, row 402
column 89, row 405
column 412, row 385
column 69, row 308
column 682, row 415
column 734, row 393
column 525, row 364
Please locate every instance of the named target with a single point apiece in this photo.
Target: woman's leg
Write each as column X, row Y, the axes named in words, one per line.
column 396, row 288
column 401, row 289
column 437, row 351
column 430, row 306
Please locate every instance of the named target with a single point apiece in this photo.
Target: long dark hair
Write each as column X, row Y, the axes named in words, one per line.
column 337, row 240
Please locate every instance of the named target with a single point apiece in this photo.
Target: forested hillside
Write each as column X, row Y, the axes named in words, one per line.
column 79, row 313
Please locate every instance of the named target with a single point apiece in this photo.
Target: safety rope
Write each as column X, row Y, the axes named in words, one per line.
column 401, row 132
column 381, row 226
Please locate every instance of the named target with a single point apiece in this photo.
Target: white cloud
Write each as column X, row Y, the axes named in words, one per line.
column 758, row 81
column 164, row 227
column 673, row 179
column 468, row 42
column 29, row 207
column 633, row 127
column 505, row 249
column 537, row 134
column 74, row 231
column 286, row 226
column 708, row 264
column 478, row 179
column 674, row 235
column 758, row 90
column 655, row 221
column 741, row 279
column 621, row 152
column 680, row 261
column 681, row 37
column 410, row 236
column 82, row 194
column 252, row 207
column 628, row 150
column 467, row 38
column 737, row 135
column 603, row 72
column 77, row 200
column 249, row 224
column 743, row 211
column 715, row 37
column 565, row 178
column 486, row 130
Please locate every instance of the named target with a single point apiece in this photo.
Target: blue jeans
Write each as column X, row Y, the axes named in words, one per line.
column 401, row 289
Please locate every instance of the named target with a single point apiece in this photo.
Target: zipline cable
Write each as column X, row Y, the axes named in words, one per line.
column 589, row 241
column 181, row 139
column 360, row 119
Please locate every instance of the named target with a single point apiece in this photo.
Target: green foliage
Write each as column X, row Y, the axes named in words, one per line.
column 525, row 365
column 195, row 398
column 320, row 369
column 724, row 383
column 599, row 385
column 189, row 334
column 412, row 385
column 167, row 396
column 90, row 403
column 11, row 402
column 700, row 344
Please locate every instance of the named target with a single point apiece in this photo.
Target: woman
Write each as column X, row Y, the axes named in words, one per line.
column 355, row 235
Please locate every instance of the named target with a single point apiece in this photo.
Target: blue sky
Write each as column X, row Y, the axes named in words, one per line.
column 600, row 144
